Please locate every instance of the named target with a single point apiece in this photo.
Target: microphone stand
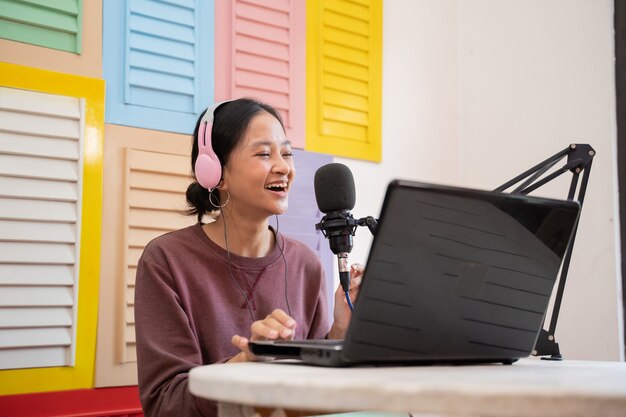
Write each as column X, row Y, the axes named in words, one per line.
column 339, row 227
column 579, row 158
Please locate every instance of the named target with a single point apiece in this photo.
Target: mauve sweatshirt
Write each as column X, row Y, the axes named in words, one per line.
column 187, row 308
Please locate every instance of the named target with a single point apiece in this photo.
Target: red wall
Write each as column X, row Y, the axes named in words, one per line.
column 100, row 402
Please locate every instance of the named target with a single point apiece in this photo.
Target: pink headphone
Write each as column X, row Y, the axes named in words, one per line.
column 208, row 168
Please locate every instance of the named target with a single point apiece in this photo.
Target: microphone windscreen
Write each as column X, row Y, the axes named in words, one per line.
column 334, row 188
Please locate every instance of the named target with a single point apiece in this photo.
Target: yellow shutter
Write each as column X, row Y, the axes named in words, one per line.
column 344, row 49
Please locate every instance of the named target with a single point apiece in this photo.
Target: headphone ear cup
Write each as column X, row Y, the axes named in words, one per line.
column 208, row 173
column 208, row 168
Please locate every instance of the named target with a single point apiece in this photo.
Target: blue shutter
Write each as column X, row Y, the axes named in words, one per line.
column 158, row 62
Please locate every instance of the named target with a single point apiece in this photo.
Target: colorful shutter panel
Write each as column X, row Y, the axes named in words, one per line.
column 299, row 221
column 158, row 62
column 52, row 24
column 261, row 54
column 115, row 353
column 51, row 183
column 154, row 199
column 344, row 42
column 40, row 179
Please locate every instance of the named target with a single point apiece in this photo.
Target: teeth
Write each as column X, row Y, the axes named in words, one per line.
column 276, row 186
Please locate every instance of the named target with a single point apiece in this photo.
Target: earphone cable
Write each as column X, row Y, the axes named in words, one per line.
column 285, row 262
column 230, row 272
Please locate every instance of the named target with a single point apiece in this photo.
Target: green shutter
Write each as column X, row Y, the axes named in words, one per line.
column 53, row 24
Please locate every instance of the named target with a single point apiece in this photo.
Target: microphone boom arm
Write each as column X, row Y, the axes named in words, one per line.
column 579, row 159
column 370, row 222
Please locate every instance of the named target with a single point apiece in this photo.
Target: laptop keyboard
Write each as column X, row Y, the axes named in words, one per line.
column 311, row 342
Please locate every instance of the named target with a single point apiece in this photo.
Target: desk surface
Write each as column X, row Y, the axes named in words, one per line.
column 530, row 387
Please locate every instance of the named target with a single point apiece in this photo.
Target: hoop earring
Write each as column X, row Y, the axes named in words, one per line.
column 211, row 198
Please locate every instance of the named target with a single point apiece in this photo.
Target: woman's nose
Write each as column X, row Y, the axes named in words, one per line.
column 282, row 166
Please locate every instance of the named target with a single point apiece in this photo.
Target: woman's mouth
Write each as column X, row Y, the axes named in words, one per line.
column 278, row 187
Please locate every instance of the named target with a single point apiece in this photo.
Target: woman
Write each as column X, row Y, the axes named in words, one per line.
column 204, row 291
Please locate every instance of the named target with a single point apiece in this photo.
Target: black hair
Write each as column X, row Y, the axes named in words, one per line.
column 230, row 122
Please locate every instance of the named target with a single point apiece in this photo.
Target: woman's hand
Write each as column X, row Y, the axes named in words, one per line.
column 342, row 313
column 277, row 325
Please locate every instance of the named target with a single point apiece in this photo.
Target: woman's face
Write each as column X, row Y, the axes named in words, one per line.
column 260, row 169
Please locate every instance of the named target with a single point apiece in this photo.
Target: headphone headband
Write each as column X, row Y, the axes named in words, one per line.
column 209, row 114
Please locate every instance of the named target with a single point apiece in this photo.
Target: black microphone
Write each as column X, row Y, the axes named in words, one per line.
column 335, row 196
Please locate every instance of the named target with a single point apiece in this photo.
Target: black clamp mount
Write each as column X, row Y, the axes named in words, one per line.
column 579, row 158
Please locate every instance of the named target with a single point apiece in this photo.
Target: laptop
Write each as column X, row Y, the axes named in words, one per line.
column 454, row 275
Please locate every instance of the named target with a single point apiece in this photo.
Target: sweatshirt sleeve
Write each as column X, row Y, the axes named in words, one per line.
column 167, row 348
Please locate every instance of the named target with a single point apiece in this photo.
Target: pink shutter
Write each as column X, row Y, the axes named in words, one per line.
column 260, row 53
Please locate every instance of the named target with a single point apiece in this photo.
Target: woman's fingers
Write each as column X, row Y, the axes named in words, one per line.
column 241, row 343
column 356, row 274
column 283, row 318
column 276, row 325
column 270, row 328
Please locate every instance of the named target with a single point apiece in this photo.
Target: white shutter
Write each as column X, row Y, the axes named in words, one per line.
column 40, row 183
column 155, row 185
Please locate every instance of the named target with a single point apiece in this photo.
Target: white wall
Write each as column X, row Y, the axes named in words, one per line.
column 476, row 92
column 420, row 105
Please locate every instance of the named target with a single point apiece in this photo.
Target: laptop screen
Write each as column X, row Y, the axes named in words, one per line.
column 456, row 274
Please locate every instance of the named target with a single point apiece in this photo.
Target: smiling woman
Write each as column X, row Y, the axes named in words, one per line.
column 259, row 175
column 204, row 291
